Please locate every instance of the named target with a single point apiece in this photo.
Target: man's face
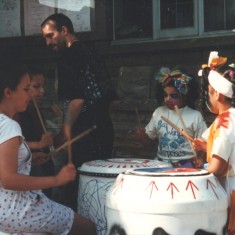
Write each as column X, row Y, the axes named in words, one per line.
column 54, row 39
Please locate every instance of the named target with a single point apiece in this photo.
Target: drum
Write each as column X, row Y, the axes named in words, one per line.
column 95, row 179
column 180, row 201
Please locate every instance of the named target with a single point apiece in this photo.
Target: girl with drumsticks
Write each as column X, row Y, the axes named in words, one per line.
column 24, row 207
column 173, row 147
column 219, row 92
column 34, row 130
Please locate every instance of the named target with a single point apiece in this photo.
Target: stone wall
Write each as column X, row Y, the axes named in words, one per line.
column 136, row 89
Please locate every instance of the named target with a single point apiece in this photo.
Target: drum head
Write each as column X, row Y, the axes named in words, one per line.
column 166, row 171
column 120, row 165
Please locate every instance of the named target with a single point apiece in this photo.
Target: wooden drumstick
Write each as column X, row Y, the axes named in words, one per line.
column 187, row 136
column 39, row 114
column 138, row 118
column 41, row 120
column 184, row 126
column 69, row 148
column 78, row 137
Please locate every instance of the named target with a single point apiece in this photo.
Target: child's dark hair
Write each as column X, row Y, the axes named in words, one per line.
column 204, row 82
column 35, row 70
column 226, row 72
column 11, row 75
column 229, row 74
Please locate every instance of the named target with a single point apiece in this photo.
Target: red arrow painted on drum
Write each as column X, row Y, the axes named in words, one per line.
column 192, row 186
column 152, row 185
column 209, row 183
column 118, row 185
column 172, row 186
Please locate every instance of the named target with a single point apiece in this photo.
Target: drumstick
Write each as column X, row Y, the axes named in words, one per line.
column 78, row 137
column 39, row 114
column 69, row 148
column 41, row 120
column 184, row 126
column 177, row 128
column 138, row 118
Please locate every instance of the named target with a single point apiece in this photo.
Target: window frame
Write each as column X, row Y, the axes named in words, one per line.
column 168, row 34
column 177, row 32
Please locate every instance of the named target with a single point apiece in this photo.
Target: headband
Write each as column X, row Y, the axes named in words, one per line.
column 165, row 76
column 220, row 84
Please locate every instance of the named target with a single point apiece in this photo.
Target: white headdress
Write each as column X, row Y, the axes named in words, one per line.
column 220, row 84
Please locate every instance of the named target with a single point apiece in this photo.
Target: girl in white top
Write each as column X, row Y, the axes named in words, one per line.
column 24, row 208
column 172, row 146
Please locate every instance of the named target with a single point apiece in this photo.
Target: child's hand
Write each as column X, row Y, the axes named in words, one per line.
column 67, row 174
column 39, row 158
column 46, row 140
column 199, row 145
column 139, row 134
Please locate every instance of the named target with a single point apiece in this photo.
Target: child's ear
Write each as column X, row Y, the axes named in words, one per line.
column 7, row 92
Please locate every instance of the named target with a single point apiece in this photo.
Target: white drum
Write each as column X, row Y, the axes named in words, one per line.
column 95, row 179
column 180, row 201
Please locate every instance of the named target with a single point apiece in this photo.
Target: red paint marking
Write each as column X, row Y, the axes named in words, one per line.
column 172, row 186
column 118, row 185
column 192, row 186
column 217, row 181
column 210, row 184
column 181, row 170
column 153, row 185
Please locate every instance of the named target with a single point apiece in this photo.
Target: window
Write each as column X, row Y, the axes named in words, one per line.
column 176, row 14
column 168, row 19
column 133, row 19
column 175, row 18
column 221, row 15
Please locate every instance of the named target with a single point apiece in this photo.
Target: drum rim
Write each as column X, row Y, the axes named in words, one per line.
column 105, row 175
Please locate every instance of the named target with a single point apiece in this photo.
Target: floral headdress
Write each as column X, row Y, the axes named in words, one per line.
column 214, row 61
column 165, row 76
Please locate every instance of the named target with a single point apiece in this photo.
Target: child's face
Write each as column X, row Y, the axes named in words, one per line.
column 20, row 97
column 172, row 97
column 211, row 100
column 37, row 86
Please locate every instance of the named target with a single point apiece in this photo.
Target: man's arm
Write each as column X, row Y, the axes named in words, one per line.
column 73, row 112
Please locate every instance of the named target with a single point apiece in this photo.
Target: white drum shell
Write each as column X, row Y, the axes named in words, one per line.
column 95, row 179
column 179, row 204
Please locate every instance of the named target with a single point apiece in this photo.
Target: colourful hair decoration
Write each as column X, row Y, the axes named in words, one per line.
column 215, row 61
column 165, row 76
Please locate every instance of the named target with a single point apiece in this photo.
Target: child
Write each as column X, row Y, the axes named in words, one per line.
column 24, row 208
column 33, row 129
column 172, row 146
column 220, row 137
